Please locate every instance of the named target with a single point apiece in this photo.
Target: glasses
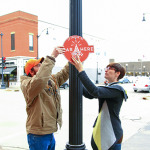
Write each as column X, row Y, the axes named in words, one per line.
column 109, row 68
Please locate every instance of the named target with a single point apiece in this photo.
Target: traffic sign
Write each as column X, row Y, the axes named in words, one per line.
column 76, row 45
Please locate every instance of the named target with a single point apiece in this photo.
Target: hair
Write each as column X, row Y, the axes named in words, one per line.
column 118, row 68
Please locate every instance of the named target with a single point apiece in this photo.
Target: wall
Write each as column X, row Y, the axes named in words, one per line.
column 22, row 24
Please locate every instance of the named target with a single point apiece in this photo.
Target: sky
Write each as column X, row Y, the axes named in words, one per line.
column 118, row 22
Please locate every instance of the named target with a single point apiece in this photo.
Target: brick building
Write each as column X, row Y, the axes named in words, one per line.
column 19, row 43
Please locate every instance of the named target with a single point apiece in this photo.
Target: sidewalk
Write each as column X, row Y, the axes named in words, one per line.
column 139, row 141
column 135, row 122
column 15, row 89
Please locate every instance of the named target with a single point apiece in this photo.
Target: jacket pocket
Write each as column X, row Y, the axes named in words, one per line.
column 42, row 120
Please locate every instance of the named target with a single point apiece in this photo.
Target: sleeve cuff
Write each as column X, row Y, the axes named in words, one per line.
column 52, row 58
column 81, row 73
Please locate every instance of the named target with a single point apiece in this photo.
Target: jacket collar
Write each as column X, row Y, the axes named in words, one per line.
column 112, row 83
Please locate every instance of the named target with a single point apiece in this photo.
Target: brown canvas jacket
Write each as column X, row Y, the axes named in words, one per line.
column 42, row 96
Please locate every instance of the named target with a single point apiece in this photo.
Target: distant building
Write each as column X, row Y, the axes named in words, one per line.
column 19, row 43
column 137, row 68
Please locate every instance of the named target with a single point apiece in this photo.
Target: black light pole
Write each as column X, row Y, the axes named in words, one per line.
column 37, row 46
column 126, row 69
column 144, row 70
column 97, row 74
column 75, row 86
column 144, row 14
column 143, row 17
column 3, row 84
column 97, row 57
column 38, row 41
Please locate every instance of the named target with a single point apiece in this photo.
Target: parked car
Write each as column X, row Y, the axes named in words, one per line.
column 142, row 84
column 124, row 80
column 132, row 79
column 65, row 85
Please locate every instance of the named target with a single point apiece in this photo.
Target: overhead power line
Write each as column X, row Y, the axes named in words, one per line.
column 68, row 29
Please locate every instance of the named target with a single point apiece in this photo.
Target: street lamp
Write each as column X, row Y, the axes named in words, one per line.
column 3, row 84
column 126, row 68
column 97, row 54
column 38, row 40
column 143, row 17
column 144, row 14
column 144, row 70
column 75, row 85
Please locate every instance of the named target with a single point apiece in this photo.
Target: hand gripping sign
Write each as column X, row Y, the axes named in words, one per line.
column 76, row 45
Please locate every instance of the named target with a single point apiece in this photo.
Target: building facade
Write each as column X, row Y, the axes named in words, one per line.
column 19, row 43
column 139, row 68
column 136, row 68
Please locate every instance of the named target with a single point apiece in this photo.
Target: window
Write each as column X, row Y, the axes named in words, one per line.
column 12, row 63
column 31, row 41
column 12, row 40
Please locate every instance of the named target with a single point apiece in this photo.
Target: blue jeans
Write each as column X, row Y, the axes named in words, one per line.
column 117, row 147
column 41, row 142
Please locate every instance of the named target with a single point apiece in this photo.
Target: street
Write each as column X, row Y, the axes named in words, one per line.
column 134, row 116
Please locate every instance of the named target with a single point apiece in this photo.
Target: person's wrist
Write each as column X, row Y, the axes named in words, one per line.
column 53, row 56
column 80, row 70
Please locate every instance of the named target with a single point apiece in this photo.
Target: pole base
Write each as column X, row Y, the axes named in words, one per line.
column 3, row 86
column 75, row 147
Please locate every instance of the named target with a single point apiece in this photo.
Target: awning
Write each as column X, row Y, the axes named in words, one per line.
column 7, row 70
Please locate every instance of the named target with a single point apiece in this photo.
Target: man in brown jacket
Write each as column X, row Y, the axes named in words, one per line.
column 43, row 102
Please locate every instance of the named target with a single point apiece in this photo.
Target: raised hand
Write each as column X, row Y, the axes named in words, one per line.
column 58, row 50
column 77, row 63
